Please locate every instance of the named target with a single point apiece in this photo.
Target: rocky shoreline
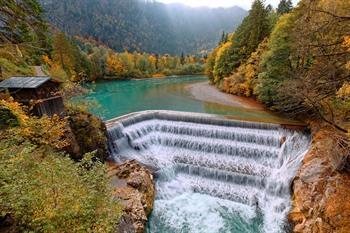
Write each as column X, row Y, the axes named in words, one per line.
column 134, row 187
column 321, row 197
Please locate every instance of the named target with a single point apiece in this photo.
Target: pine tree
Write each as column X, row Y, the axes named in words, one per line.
column 253, row 30
column 284, row 6
column 182, row 59
column 226, row 37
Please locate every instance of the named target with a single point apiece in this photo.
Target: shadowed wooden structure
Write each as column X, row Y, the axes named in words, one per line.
column 41, row 94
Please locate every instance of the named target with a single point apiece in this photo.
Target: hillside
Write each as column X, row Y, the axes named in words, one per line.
column 143, row 25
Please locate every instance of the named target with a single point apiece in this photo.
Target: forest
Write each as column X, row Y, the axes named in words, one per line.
column 295, row 61
column 144, row 26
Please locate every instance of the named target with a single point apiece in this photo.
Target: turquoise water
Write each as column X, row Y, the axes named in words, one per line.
column 117, row 98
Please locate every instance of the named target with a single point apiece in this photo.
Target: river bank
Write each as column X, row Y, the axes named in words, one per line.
column 321, row 199
column 205, row 92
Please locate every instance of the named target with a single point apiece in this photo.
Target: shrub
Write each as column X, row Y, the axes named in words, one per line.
column 45, row 191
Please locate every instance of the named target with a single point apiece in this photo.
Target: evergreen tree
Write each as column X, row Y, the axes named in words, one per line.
column 182, row 59
column 253, row 30
column 276, row 62
column 284, row 6
column 226, row 37
column 235, row 51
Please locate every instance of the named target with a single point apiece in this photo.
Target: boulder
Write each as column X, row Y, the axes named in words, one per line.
column 134, row 188
column 86, row 133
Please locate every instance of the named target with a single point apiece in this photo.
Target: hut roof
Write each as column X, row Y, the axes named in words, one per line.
column 24, row 82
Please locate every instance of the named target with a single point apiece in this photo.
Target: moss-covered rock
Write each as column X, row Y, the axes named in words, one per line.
column 7, row 118
column 88, row 134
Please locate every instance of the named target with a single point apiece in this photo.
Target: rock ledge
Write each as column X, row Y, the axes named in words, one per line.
column 321, row 196
column 134, row 187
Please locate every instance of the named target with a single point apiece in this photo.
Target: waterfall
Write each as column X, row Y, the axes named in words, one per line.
column 213, row 174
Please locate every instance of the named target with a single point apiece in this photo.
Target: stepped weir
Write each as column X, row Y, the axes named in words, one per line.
column 212, row 174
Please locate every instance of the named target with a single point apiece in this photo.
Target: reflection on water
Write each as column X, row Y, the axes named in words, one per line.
column 116, row 98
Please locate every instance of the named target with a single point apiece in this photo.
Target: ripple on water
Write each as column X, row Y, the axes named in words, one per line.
column 198, row 213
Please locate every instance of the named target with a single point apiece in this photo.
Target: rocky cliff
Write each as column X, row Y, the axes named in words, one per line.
column 321, row 193
column 134, row 188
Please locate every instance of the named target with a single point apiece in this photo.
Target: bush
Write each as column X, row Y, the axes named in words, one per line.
column 7, row 118
column 47, row 192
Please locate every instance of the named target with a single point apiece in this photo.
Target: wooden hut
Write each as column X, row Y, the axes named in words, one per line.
column 41, row 94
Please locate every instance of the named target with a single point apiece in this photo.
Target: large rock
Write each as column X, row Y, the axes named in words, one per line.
column 86, row 133
column 321, row 194
column 134, row 187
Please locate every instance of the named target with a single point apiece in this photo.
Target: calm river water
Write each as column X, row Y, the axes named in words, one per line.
column 116, row 98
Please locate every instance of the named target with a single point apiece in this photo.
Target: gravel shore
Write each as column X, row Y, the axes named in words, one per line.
column 205, row 92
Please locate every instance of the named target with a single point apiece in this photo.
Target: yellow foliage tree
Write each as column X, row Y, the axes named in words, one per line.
column 115, row 65
column 244, row 80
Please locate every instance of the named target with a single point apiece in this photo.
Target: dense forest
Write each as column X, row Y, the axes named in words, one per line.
column 80, row 60
column 295, row 61
column 143, row 26
column 75, row 59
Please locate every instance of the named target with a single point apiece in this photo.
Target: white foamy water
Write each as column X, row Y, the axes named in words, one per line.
column 212, row 174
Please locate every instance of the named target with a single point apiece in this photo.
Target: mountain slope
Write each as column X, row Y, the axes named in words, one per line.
column 143, row 25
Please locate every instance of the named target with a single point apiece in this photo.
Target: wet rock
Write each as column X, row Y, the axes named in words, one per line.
column 134, row 188
column 321, row 197
column 282, row 140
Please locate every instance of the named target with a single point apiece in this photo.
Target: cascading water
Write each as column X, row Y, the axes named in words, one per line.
column 213, row 174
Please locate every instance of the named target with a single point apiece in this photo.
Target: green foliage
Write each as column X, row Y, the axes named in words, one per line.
column 254, row 29
column 7, row 118
column 8, row 68
column 223, row 62
column 189, row 69
column 70, row 58
column 209, row 68
column 285, row 6
column 305, row 67
column 276, row 64
column 244, row 80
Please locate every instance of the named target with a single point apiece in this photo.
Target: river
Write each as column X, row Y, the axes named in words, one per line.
column 116, row 98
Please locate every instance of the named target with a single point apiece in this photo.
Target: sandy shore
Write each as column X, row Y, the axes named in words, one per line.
column 205, row 92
